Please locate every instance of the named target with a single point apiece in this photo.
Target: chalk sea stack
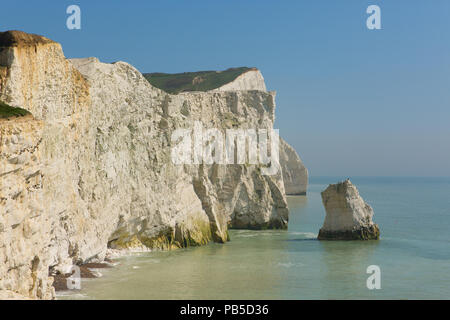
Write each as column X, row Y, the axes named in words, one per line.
column 348, row 216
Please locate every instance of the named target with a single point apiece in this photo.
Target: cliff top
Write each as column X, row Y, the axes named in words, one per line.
column 6, row 111
column 194, row 81
column 14, row 38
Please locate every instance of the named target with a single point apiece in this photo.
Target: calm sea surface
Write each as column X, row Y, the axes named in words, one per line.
column 413, row 254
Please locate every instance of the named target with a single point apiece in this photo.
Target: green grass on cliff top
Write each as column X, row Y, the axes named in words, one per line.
column 194, row 81
column 6, row 111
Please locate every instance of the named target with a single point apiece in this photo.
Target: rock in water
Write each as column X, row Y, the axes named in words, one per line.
column 348, row 216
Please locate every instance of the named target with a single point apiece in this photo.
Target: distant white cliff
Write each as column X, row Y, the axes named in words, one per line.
column 249, row 80
column 295, row 174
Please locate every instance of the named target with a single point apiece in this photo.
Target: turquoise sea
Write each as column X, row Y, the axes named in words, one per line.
column 413, row 254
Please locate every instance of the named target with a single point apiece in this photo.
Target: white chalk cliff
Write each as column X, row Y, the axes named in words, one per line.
column 91, row 169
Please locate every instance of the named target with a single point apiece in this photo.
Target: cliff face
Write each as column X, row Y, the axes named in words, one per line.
column 35, row 75
column 295, row 174
column 93, row 169
column 24, row 224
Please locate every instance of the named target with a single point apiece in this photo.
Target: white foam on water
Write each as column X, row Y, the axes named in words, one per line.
column 71, row 294
column 290, row 264
column 96, row 272
column 245, row 235
column 306, row 235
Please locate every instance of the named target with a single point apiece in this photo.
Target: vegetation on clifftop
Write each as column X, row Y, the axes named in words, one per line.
column 194, row 81
column 14, row 38
column 6, row 111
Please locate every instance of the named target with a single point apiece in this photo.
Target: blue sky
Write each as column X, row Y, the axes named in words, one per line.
column 352, row 101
